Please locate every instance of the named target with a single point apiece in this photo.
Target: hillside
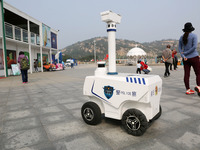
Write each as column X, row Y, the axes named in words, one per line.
column 85, row 50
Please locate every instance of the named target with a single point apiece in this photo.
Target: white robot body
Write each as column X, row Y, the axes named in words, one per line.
column 117, row 93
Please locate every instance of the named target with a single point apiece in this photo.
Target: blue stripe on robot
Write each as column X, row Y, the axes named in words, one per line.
column 136, row 80
column 108, row 30
column 143, row 81
column 139, row 81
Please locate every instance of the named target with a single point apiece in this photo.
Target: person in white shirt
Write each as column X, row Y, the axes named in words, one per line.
column 138, row 67
column 72, row 63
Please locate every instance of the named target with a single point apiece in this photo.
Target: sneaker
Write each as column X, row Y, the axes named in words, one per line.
column 189, row 91
column 24, row 82
column 197, row 89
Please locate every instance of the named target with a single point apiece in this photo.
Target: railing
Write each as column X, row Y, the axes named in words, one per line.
column 20, row 34
column 35, row 39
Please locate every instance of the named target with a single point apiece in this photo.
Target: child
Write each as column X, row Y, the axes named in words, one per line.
column 138, row 67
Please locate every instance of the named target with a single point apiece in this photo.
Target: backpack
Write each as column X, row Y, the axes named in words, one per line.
column 24, row 64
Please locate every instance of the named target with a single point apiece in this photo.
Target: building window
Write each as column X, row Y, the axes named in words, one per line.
column 32, row 38
column 25, row 36
column 37, row 39
column 17, row 34
column 9, row 32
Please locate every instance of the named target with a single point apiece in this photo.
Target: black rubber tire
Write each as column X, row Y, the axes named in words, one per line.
column 91, row 113
column 159, row 114
column 134, row 122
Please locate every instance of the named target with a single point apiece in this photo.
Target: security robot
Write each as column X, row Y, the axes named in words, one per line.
column 134, row 99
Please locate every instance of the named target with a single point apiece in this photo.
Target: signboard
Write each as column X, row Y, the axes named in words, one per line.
column 46, row 35
column 53, row 40
column 11, row 58
column 15, row 69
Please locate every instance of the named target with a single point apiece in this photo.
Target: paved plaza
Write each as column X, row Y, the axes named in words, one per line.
column 45, row 114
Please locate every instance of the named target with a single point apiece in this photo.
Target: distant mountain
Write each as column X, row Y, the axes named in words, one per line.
column 85, row 50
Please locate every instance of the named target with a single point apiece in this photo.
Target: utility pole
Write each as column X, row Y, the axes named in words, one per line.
column 95, row 57
column 4, row 41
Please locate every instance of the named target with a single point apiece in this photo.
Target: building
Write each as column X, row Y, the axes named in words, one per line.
column 24, row 33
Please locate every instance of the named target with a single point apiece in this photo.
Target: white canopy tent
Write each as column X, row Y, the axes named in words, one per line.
column 135, row 53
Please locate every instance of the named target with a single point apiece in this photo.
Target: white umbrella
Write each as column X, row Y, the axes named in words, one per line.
column 136, row 52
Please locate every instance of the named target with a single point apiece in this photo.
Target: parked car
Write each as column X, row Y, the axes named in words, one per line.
column 68, row 63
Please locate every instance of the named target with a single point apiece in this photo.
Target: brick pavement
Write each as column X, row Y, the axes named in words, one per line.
column 45, row 115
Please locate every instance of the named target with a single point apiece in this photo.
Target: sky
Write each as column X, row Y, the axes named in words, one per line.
column 142, row 20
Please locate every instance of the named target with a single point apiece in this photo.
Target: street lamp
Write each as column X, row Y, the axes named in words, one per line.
column 95, row 57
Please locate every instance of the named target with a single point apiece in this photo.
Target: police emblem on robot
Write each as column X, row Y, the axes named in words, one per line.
column 108, row 91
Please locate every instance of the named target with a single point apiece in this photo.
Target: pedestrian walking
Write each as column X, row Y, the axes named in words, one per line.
column 167, row 58
column 170, row 66
column 36, row 65
column 72, row 63
column 188, row 50
column 174, row 58
column 24, row 66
